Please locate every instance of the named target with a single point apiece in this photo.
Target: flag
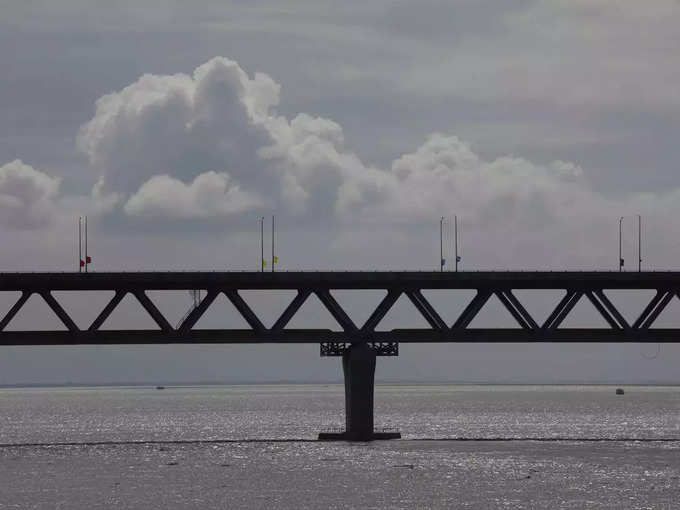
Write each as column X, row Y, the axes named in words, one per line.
column 82, row 263
column 443, row 262
column 458, row 259
column 276, row 259
column 88, row 260
column 264, row 262
column 621, row 262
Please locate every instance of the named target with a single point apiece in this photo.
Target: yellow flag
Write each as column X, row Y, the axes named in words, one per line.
column 264, row 262
column 276, row 259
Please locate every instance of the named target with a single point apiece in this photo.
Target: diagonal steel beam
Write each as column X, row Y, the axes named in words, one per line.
column 656, row 311
column 623, row 323
column 472, row 309
column 15, row 309
column 151, row 309
column 558, row 308
column 381, row 310
column 291, row 309
column 336, row 310
column 245, row 310
column 512, row 309
column 562, row 309
column 58, row 310
column 650, row 306
column 520, row 308
column 108, row 309
column 196, row 314
column 602, row 310
column 426, row 309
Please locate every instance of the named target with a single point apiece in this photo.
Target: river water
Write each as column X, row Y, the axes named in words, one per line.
column 252, row 446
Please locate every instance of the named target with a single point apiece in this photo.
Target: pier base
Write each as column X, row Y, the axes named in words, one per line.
column 358, row 366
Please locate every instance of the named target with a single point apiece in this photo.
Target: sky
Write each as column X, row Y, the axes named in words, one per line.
column 174, row 127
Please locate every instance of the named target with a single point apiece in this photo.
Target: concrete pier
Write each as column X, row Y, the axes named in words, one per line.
column 358, row 366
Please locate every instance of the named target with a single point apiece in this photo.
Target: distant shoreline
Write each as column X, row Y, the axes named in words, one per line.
column 169, row 385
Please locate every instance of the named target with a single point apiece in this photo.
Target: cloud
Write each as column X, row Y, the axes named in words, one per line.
column 216, row 120
column 212, row 146
column 210, row 195
column 26, row 196
column 444, row 174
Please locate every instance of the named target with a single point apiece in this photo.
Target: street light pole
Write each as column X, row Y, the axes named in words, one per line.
column 86, row 262
column 620, row 247
column 639, row 243
column 455, row 234
column 262, row 244
column 441, row 245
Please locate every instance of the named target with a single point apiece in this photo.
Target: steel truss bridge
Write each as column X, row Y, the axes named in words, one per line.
column 576, row 286
column 358, row 344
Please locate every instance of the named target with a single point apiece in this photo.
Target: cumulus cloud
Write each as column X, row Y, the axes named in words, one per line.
column 219, row 120
column 444, row 174
column 26, row 196
column 211, row 145
column 209, row 195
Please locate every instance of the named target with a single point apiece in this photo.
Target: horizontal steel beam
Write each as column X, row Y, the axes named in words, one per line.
column 302, row 336
column 405, row 280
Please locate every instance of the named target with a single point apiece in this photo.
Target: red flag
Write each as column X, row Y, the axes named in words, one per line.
column 82, row 263
column 89, row 260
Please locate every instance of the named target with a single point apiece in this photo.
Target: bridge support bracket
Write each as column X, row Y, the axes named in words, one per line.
column 340, row 348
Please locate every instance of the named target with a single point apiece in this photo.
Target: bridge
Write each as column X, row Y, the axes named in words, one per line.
column 357, row 344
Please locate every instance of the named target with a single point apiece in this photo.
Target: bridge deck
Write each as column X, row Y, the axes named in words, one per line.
column 179, row 280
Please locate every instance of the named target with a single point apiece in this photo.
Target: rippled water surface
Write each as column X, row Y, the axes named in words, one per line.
column 146, row 448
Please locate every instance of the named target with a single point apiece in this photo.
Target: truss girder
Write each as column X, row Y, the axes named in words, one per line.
column 406, row 284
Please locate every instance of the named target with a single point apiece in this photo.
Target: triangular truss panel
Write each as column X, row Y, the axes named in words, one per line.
column 449, row 303
column 539, row 303
column 630, row 302
column 83, row 307
column 129, row 314
column 403, row 314
column 359, row 303
column 313, row 314
column 494, row 315
column 175, row 305
column 36, row 315
column 268, row 305
column 584, row 315
column 221, row 314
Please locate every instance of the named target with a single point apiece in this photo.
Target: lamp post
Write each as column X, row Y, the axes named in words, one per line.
column 262, row 244
column 621, row 262
column 441, row 245
column 639, row 243
column 87, row 258
column 455, row 243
